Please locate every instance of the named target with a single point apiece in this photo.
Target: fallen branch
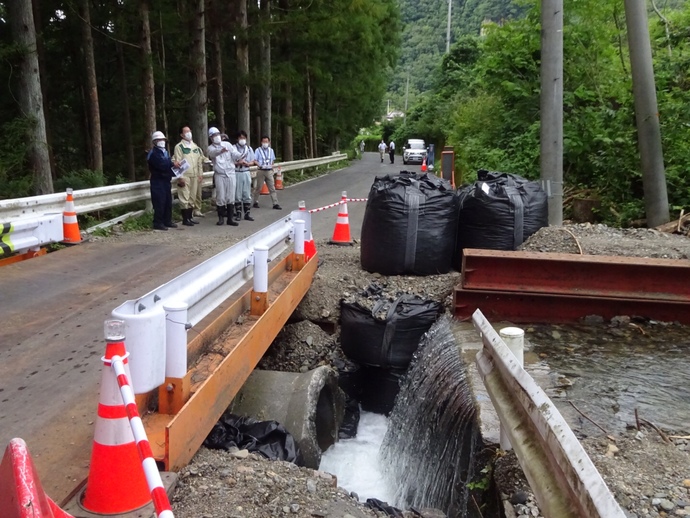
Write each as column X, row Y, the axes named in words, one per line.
column 679, row 436
column 587, row 417
column 575, row 238
column 664, row 437
column 637, row 420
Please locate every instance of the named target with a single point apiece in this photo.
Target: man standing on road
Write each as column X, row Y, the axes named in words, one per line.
column 265, row 157
column 223, row 155
column 391, row 150
column 160, row 167
column 187, row 150
column 382, row 149
column 243, row 193
column 361, row 147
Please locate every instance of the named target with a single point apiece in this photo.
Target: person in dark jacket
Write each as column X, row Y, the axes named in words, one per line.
column 160, row 167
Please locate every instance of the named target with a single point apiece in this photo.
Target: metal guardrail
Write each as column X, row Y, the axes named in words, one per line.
column 101, row 198
column 561, row 474
column 199, row 290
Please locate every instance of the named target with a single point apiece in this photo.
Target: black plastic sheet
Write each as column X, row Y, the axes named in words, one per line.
column 409, row 225
column 388, row 334
column 499, row 212
column 269, row 438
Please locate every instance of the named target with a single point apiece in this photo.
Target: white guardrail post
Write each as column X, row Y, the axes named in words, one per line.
column 561, row 474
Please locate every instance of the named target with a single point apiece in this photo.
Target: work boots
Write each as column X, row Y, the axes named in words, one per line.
column 247, row 208
column 187, row 217
column 230, row 211
column 221, row 214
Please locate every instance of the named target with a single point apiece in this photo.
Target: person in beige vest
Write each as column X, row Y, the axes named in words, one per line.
column 187, row 150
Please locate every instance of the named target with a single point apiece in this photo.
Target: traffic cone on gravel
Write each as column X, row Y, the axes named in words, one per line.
column 309, row 244
column 21, row 493
column 424, row 168
column 70, row 225
column 341, row 233
column 116, row 482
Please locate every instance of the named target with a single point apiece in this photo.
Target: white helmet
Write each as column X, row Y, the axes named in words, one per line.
column 157, row 135
column 213, row 131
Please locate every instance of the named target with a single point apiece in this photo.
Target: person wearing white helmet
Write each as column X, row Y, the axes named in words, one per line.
column 160, row 167
column 223, row 155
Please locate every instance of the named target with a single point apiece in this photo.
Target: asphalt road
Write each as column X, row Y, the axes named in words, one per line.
column 53, row 307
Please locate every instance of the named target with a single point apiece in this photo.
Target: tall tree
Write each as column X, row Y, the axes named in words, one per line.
column 199, row 106
column 21, row 21
column 93, row 108
column 148, row 89
column 286, row 139
column 242, row 46
column 216, row 30
column 266, row 89
column 126, row 118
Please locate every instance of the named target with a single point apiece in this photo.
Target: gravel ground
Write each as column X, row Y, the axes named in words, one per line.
column 646, row 475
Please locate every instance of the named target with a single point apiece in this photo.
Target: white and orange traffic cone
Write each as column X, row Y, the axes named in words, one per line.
column 21, row 493
column 279, row 180
column 309, row 244
column 70, row 225
column 264, row 189
column 341, row 232
column 116, row 482
column 424, row 168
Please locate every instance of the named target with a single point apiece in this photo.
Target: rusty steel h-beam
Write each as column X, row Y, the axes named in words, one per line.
column 545, row 287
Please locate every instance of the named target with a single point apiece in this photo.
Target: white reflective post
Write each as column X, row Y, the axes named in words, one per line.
column 299, row 237
column 260, row 269
column 175, row 339
column 514, row 338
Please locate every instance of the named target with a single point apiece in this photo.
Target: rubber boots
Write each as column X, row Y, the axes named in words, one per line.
column 221, row 214
column 230, row 211
column 187, row 217
column 247, row 208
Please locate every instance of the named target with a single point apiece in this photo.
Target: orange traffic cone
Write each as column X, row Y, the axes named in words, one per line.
column 341, row 233
column 424, row 168
column 70, row 226
column 279, row 181
column 21, row 493
column 264, row 189
column 309, row 244
column 116, row 482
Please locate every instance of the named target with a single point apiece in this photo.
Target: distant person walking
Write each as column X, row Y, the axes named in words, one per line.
column 391, row 151
column 361, row 147
column 382, row 149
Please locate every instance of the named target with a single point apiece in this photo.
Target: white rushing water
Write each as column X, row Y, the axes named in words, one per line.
column 356, row 461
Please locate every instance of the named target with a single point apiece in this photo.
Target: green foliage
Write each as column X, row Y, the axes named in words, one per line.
column 14, row 182
column 81, row 179
column 143, row 222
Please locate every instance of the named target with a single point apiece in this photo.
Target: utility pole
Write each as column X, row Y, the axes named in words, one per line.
column 551, row 105
column 407, row 93
column 646, row 114
column 450, row 8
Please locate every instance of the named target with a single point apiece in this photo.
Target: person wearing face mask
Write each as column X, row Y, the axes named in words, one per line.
column 243, row 194
column 187, row 150
column 265, row 157
column 223, row 155
column 160, row 167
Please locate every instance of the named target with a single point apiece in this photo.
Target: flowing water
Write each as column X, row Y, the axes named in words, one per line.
column 608, row 372
column 428, row 453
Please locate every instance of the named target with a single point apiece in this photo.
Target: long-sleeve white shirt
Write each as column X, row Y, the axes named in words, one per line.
column 223, row 162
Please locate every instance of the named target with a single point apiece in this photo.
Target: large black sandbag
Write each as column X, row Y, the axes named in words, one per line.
column 499, row 211
column 409, row 225
column 269, row 438
column 381, row 387
column 388, row 334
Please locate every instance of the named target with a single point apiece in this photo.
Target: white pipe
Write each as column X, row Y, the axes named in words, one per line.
column 175, row 339
column 514, row 338
column 299, row 237
column 261, row 269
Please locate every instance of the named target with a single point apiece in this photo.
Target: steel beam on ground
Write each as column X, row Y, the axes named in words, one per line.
column 569, row 274
column 558, row 309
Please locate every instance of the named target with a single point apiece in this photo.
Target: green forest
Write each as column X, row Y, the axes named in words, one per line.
column 85, row 82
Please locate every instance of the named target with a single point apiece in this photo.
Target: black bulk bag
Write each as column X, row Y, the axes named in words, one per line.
column 500, row 211
column 387, row 335
column 409, row 225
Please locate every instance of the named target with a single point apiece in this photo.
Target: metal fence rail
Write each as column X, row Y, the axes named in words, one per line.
column 101, row 198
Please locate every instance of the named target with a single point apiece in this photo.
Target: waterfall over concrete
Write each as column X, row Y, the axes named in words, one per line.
column 429, row 448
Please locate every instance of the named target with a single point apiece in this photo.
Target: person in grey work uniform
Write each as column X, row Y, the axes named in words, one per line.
column 243, row 192
column 223, row 155
column 264, row 158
